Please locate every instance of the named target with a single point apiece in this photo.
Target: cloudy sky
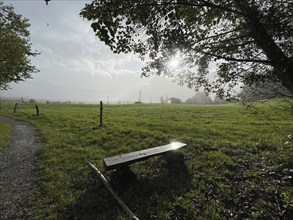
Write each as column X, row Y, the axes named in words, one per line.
column 74, row 65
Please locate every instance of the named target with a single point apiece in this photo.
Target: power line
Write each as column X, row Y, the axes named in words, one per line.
column 50, row 0
column 65, row 88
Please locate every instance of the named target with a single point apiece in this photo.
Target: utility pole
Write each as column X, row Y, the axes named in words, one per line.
column 139, row 98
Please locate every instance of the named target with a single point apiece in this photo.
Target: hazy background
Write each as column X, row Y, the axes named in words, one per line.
column 75, row 66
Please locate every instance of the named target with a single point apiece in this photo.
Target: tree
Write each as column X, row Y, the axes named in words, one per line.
column 15, row 63
column 249, row 40
column 217, row 100
column 162, row 100
column 199, row 98
column 264, row 91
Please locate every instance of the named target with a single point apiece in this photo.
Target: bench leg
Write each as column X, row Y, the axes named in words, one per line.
column 174, row 159
column 124, row 175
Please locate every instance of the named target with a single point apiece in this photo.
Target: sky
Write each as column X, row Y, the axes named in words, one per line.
column 76, row 66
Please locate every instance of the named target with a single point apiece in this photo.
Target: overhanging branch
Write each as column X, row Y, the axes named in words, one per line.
column 235, row 59
column 229, row 46
column 202, row 4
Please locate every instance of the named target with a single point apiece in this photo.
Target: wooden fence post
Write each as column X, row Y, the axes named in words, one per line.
column 15, row 107
column 37, row 109
column 101, row 114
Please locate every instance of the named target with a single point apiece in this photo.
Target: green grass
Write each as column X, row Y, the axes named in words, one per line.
column 238, row 162
column 5, row 131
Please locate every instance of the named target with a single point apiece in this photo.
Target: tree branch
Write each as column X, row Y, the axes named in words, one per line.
column 235, row 59
column 203, row 4
column 212, row 5
column 230, row 46
column 278, row 59
column 221, row 34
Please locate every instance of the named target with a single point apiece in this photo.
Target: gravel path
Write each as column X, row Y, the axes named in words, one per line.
column 16, row 171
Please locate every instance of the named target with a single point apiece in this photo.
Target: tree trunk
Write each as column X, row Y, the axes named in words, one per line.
column 283, row 65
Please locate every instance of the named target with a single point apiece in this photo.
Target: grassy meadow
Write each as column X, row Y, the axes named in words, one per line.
column 238, row 163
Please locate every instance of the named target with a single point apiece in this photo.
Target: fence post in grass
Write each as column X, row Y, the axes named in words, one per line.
column 15, row 107
column 101, row 114
column 37, row 109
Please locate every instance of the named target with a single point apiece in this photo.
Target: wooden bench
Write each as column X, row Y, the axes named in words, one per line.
column 123, row 160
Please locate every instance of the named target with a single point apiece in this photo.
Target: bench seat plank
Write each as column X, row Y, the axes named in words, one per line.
column 128, row 158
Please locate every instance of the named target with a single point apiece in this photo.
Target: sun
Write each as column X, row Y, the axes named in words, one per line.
column 174, row 62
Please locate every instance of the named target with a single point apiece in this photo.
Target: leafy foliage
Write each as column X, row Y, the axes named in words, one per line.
column 264, row 91
column 237, row 165
column 249, row 40
column 15, row 47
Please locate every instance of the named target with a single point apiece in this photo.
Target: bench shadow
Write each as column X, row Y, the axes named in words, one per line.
column 171, row 179
column 164, row 177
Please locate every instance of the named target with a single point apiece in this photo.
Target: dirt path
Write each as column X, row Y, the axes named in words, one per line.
column 16, row 171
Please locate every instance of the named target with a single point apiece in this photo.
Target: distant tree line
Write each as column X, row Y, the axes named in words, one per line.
column 263, row 90
column 202, row 98
column 198, row 98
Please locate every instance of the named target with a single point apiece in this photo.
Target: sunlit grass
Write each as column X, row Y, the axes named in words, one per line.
column 225, row 172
